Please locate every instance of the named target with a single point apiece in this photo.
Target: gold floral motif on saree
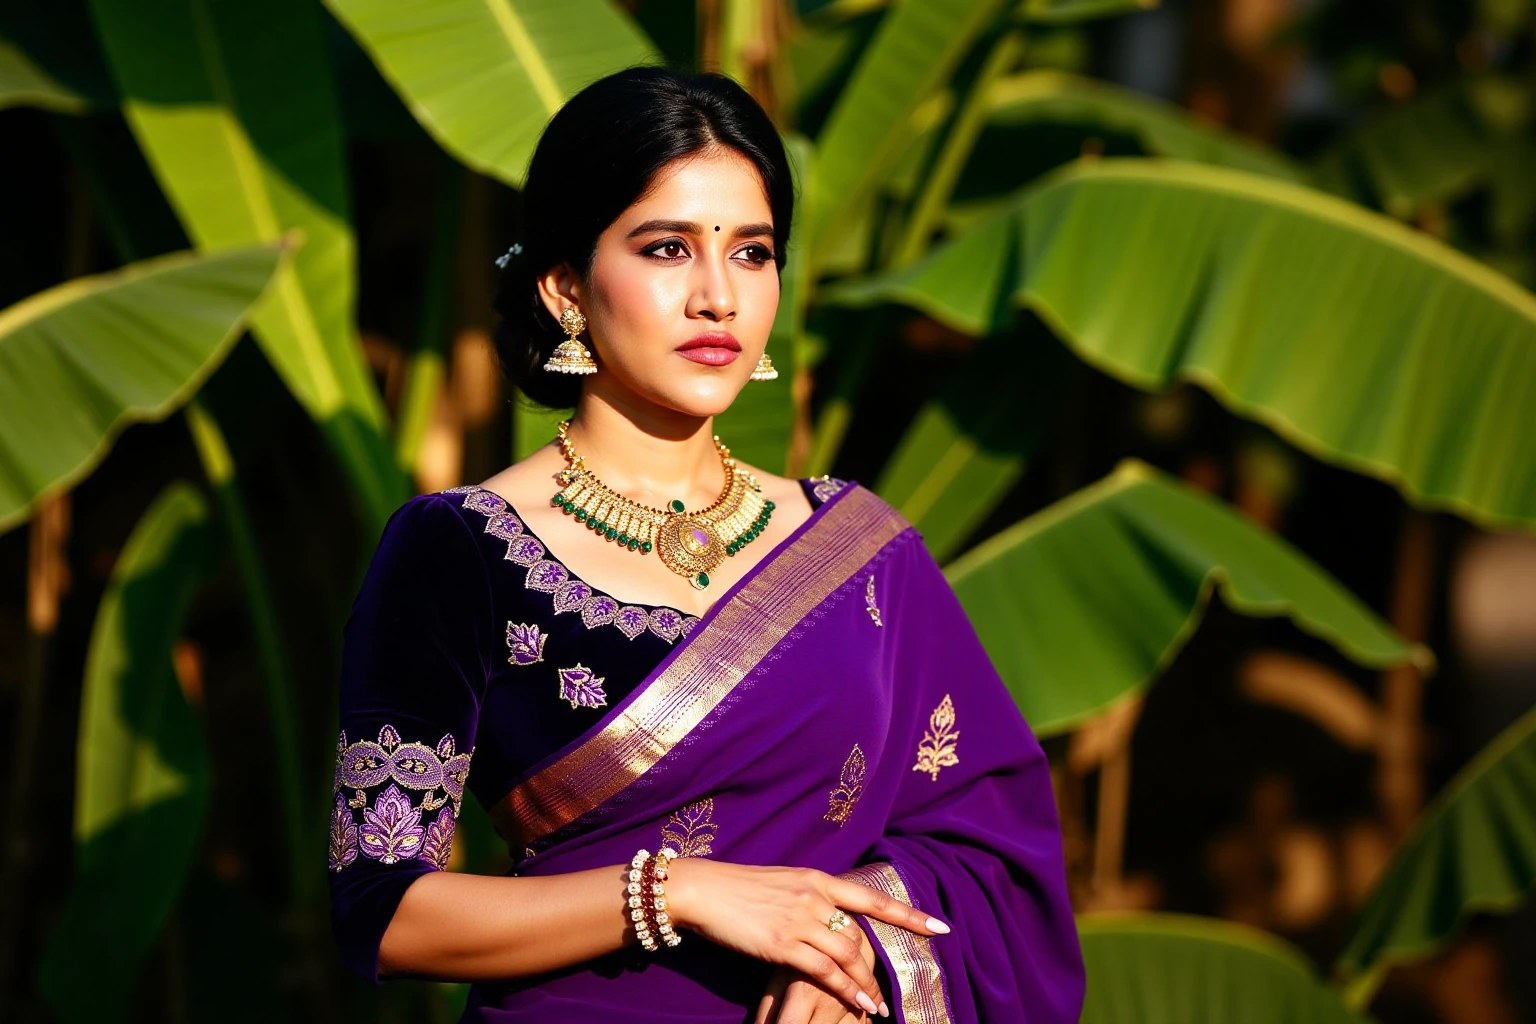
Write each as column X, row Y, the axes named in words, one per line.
column 869, row 600
column 691, row 830
column 850, row 786
column 937, row 750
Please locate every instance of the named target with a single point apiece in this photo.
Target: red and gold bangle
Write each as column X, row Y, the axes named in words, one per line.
column 660, row 920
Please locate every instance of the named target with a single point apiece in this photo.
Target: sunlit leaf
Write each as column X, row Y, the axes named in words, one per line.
column 235, row 110
column 80, row 362
column 485, row 76
column 1365, row 343
column 1146, row 968
column 1089, row 599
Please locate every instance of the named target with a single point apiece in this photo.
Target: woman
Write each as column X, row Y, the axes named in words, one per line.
column 630, row 643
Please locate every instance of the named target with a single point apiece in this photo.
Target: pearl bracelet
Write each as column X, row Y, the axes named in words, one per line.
column 648, row 898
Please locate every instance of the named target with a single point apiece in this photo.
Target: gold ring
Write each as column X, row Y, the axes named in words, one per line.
column 838, row 921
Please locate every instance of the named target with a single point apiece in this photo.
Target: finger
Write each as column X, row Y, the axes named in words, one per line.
column 874, row 903
column 771, row 1005
column 824, row 970
column 845, row 949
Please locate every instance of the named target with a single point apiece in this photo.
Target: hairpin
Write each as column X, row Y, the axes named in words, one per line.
column 506, row 257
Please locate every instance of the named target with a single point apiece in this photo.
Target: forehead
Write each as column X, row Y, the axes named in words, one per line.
column 719, row 183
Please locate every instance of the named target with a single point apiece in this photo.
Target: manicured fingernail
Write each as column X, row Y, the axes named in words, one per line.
column 866, row 1002
column 938, row 926
column 885, row 1011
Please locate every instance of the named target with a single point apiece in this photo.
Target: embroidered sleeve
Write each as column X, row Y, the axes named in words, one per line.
column 415, row 659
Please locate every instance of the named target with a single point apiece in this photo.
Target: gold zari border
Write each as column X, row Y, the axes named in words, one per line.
column 919, row 977
column 716, row 657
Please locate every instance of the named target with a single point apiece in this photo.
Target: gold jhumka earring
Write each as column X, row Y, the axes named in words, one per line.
column 764, row 370
column 571, row 356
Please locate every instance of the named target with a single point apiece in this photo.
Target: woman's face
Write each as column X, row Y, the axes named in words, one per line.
column 693, row 257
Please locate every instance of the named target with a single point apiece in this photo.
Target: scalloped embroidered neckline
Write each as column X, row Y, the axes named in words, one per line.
column 550, row 575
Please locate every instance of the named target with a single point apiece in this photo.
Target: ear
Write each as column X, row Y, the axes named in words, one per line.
column 559, row 289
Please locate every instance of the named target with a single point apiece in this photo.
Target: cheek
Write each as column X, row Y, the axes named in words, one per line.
column 639, row 304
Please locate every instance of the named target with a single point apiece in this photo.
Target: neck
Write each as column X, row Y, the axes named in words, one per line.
column 650, row 455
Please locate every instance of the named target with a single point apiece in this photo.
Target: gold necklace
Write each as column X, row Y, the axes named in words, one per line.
column 689, row 543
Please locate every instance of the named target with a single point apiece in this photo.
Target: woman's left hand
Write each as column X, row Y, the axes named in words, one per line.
column 794, row 998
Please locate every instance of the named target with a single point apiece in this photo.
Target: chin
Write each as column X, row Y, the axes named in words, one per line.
column 702, row 398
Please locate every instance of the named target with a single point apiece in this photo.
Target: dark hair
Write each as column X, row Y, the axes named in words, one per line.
column 597, row 156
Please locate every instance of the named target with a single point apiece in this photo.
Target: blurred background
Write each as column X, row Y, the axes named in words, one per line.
column 1196, row 337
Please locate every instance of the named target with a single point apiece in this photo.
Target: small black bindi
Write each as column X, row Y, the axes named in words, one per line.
column 717, row 227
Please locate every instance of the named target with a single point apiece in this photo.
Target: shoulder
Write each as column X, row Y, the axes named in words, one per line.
column 430, row 525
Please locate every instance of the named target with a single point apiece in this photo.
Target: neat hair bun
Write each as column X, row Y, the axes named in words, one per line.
column 597, row 156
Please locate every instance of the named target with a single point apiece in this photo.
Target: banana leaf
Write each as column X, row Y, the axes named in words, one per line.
column 1153, row 968
column 1041, row 96
column 1142, row 552
column 1079, row 10
column 918, row 44
column 969, row 445
column 24, row 84
column 1473, row 850
column 235, row 110
column 80, row 362
column 1363, row 342
column 485, row 76
column 142, row 776
column 1425, row 151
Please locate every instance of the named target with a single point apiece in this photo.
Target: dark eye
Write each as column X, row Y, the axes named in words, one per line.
column 758, row 254
column 661, row 249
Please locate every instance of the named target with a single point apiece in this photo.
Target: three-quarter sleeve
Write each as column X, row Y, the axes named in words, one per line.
column 413, row 673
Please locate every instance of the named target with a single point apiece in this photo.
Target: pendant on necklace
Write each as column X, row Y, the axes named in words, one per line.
column 689, row 546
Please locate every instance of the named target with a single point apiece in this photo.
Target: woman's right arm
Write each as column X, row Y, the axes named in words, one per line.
column 470, row 927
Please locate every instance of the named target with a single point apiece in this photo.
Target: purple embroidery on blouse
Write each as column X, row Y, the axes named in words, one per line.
column 579, row 686
column 439, row 843
column 599, row 610
column 631, row 620
column 666, row 623
column 392, row 827
column 571, row 595
column 487, row 503
column 546, row 576
column 343, row 835
column 365, row 764
column 551, row 577
column 524, row 550
column 526, row 644
column 504, row 525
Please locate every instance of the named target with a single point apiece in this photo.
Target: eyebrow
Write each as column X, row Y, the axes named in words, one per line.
column 690, row 228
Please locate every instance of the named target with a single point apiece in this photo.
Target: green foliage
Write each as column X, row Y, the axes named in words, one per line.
column 1142, row 552
column 235, row 108
column 81, row 361
column 1170, row 967
column 1473, row 849
column 142, row 776
column 1352, row 336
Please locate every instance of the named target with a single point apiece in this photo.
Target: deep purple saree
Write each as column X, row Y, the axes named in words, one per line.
column 834, row 709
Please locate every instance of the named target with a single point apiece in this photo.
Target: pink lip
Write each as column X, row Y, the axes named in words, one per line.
column 713, row 348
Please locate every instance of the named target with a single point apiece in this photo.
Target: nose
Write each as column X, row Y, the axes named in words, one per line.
column 713, row 298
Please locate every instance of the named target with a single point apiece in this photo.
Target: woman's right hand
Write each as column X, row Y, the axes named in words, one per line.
column 779, row 914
